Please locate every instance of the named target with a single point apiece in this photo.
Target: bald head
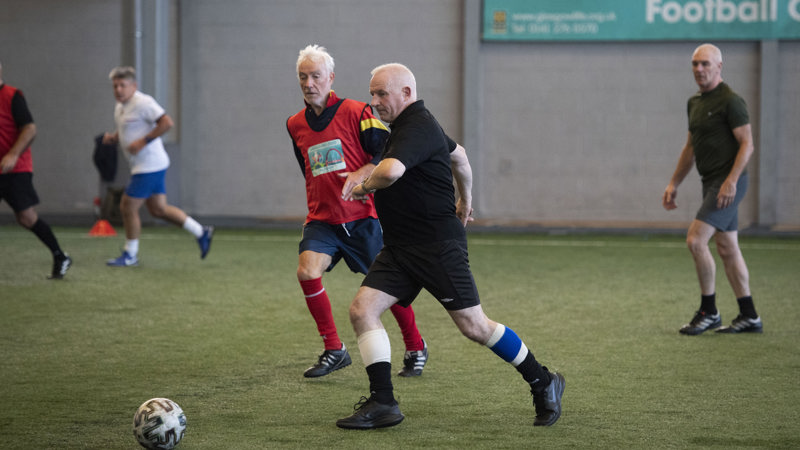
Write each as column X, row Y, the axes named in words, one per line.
column 397, row 76
column 392, row 87
column 709, row 51
column 707, row 67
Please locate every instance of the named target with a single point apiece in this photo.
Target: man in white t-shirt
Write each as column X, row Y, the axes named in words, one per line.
column 141, row 122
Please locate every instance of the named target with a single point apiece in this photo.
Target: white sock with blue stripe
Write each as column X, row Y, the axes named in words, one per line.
column 507, row 345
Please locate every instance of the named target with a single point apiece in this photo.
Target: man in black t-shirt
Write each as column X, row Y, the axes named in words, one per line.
column 720, row 143
column 425, row 246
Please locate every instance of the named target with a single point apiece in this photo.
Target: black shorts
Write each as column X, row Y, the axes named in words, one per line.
column 725, row 219
column 442, row 268
column 17, row 189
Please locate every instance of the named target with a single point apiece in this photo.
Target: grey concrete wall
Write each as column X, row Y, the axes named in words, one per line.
column 563, row 133
column 590, row 133
column 788, row 166
column 240, row 86
column 59, row 54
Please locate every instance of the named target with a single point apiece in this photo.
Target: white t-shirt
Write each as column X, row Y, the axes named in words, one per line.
column 135, row 119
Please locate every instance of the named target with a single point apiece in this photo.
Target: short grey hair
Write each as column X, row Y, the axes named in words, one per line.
column 315, row 53
column 715, row 51
column 122, row 72
column 401, row 76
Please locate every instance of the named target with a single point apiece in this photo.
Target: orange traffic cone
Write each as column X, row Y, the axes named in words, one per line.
column 102, row 228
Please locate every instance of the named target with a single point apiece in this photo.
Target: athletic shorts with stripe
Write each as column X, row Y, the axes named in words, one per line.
column 357, row 242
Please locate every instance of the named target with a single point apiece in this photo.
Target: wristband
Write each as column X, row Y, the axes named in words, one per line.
column 148, row 139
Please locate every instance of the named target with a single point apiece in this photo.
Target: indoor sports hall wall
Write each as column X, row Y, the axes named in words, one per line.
column 243, row 86
column 559, row 134
column 59, row 54
column 597, row 130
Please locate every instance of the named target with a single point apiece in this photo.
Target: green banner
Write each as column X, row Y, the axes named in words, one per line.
column 640, row 20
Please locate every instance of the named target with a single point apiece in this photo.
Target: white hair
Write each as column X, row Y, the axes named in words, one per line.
column 315, row 53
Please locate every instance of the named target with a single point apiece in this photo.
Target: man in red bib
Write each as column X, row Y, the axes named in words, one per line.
column 17, row 131
column 338, row 142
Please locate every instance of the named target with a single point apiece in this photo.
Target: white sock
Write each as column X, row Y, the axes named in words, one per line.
column 375, row 347
column 132, row 246
column 192, row 226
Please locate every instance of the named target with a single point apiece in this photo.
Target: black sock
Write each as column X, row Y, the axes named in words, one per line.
column 380, row 382
column 534, row 373
column 708, row 304
column 746, row 307
column 45, row 234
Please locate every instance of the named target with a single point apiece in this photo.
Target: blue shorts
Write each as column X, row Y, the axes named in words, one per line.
column 145, row 185
column 357, row 242
column 725, row 219
column 441, row 268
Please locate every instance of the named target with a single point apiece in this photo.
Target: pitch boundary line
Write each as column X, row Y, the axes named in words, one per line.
column 617, row 244
column 473, row 241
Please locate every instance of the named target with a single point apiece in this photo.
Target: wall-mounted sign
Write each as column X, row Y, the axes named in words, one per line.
column 638, row 20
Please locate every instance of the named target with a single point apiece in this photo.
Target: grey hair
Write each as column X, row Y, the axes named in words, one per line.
column 315, row 53
column 122, row 72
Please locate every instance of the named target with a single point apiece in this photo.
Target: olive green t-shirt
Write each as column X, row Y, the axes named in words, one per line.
column 712, row 117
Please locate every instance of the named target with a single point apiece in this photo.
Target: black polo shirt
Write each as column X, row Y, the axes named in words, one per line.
column 419, row 207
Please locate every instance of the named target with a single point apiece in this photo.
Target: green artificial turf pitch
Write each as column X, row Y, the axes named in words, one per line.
column 228, row 338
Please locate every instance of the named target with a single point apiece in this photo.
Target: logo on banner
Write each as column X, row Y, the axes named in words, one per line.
column 718, row 11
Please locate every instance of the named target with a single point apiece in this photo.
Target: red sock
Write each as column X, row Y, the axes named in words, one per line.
column 408, row 326
column 320, row 307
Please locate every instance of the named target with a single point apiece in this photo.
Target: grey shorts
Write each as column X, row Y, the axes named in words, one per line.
column 725, row 219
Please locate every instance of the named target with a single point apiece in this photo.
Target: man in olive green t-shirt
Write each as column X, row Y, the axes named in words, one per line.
column 720, row 144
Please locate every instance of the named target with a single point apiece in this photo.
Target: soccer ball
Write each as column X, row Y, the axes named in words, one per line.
column 159, row 424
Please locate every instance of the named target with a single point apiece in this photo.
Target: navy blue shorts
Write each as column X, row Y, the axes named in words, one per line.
column 17, row 189
column 725, row 219
column 357, row 242
column 442, row 268
column 145, row 185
